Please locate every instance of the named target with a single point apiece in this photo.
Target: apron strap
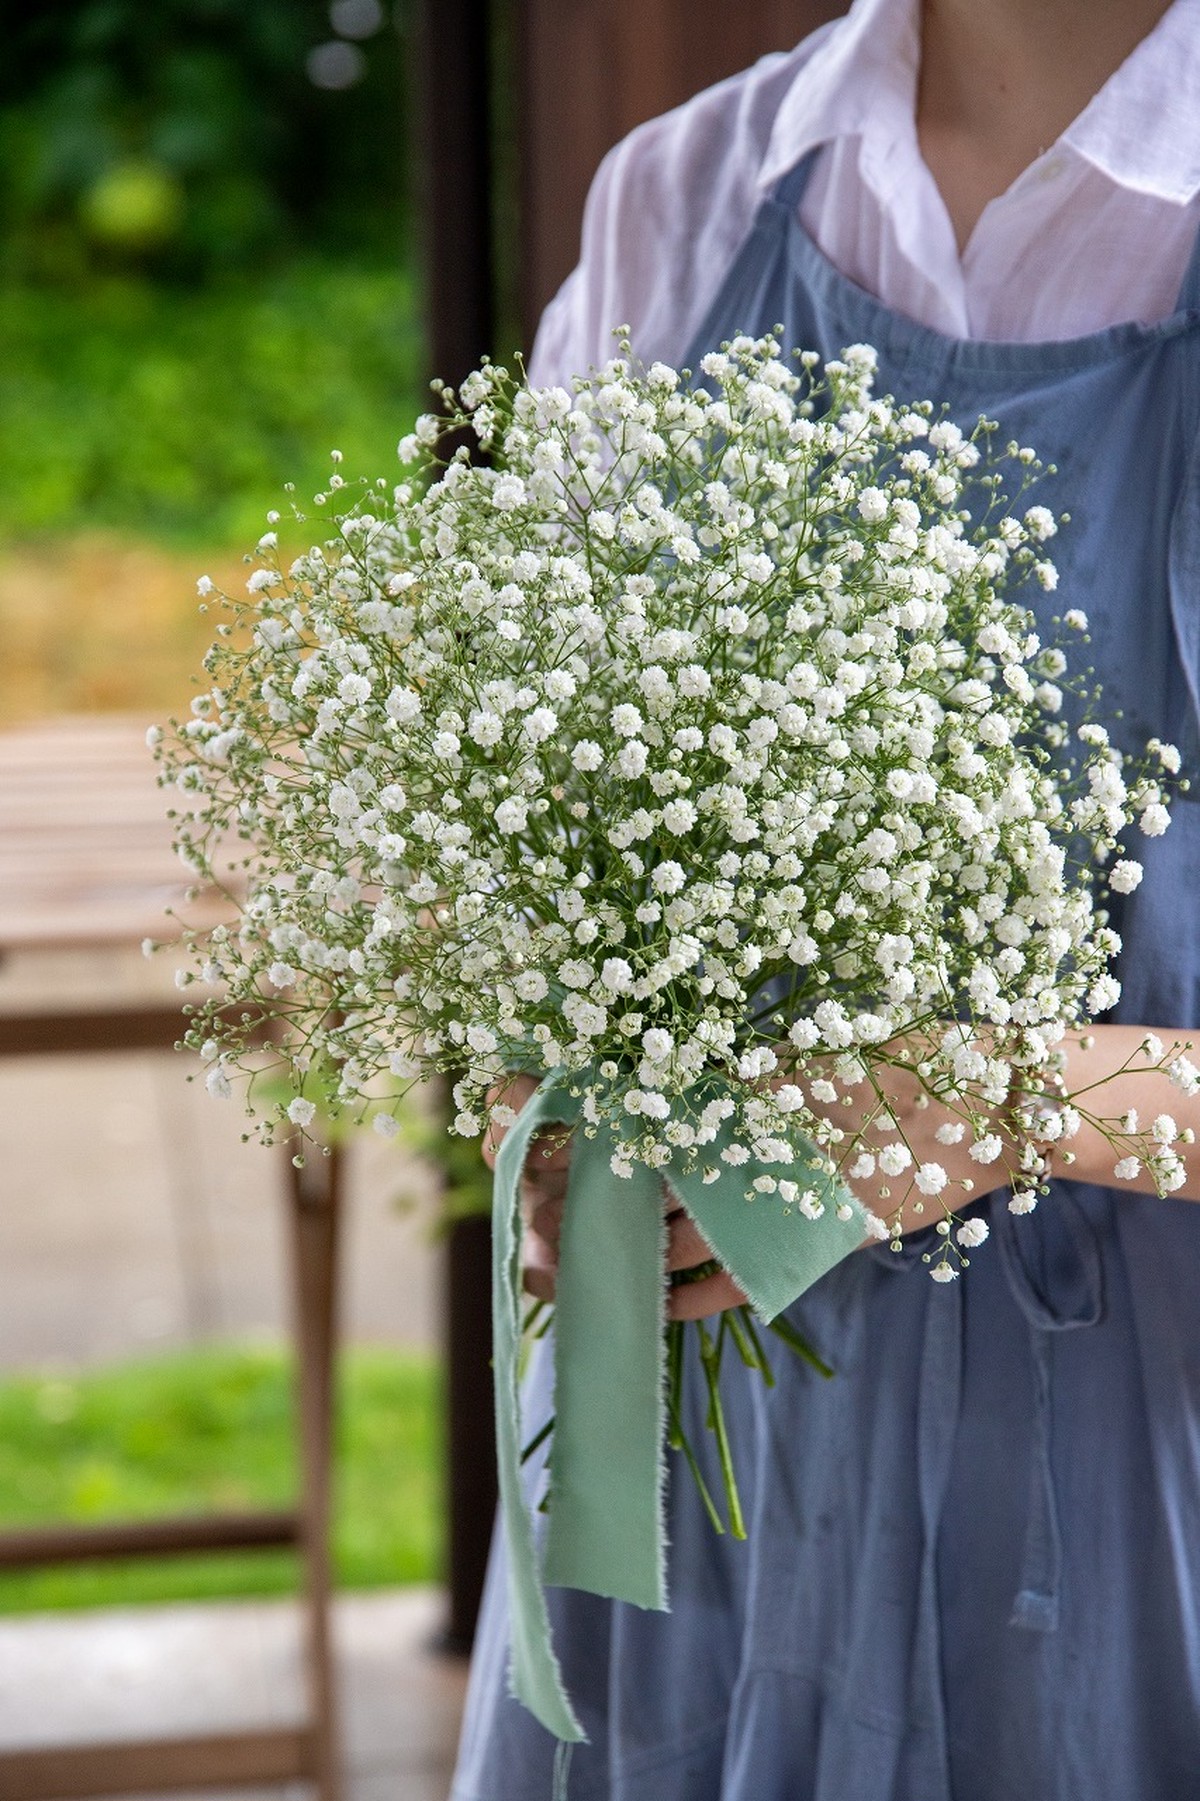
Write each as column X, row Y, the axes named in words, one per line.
column 1189, row 292
column 789, row 189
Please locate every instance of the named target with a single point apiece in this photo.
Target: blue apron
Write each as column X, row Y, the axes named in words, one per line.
column 973, row 1569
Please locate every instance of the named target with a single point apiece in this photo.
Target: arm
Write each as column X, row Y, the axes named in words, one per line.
column 1107, row 1069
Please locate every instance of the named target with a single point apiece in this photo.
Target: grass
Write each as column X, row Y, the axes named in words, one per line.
column 212, row 1428
column 178, row 415
column 146, row 430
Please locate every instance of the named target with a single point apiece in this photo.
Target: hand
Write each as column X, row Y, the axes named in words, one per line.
column 915, row 1119
column 543, row 1196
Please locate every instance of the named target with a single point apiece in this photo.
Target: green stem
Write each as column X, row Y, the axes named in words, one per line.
column 710, row 1357
column 764, row 1362
column 782, row 1328
column 741, row 1338
column 539, row 1438
column 674, row 1383
column 680, row 1438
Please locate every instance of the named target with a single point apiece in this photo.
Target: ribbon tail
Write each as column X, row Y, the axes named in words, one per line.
column 535, row 1677
column 608, row 1467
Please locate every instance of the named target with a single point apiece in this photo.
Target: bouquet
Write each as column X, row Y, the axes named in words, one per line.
column 707, row 751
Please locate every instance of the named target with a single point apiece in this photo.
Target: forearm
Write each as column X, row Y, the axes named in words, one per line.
column 1114, row 1083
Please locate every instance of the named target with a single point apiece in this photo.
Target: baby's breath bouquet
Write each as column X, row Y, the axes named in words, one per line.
column 700, row 751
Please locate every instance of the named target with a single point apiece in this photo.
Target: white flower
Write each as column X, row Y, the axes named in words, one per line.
column 204, row 585
column 587, row 755
column 1184, row 1075
column 1164, row 1129
column 1022, row 1200
column 972, row 1232
column 507, row 493
column 943, row 1272
column 625, row 720
column 217, row 1082
column 694, row 683
column 511, row 815
column 1040, row 523
column 679, row 816
column 668, row 877
column 1154, row 820
column 1125, row 876
column 894, row 1158
column 539, row 725
column 386, row 1125
column 403, row 706
column 531, row 985
column 485, row 728
column 657, row 1044
column 1127, row 1168
column 987, row 1148
column 873, row 505
column 301, row 1112
column 930, row 1178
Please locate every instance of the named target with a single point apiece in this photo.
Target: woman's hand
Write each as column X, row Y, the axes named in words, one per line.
column 903, row 1113
column 544, row 1193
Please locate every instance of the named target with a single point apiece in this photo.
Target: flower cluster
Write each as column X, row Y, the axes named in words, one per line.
column 705, row 743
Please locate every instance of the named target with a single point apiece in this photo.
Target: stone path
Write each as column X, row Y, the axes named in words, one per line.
column 138, row 1672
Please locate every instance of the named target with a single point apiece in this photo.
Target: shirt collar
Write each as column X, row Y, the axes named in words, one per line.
column 1140, row 130
column 860, row 81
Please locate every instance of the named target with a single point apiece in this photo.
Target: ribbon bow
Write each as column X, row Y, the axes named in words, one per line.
column 605, row 1528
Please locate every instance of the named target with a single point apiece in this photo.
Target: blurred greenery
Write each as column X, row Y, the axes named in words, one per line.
column 192, row 136
column 212, row 1428
column 181, row 415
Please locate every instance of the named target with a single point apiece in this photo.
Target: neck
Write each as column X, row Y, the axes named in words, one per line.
column 1002, row 79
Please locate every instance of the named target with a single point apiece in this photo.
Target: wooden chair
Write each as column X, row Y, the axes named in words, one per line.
column 85, row 864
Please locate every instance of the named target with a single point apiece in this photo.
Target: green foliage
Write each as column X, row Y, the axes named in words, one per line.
column 191, row 135
column 213, row 1429
column 181, row 415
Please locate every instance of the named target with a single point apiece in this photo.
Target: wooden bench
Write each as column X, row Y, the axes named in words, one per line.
column 86, row 864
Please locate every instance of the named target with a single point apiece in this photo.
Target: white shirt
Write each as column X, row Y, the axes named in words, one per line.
column 1098, row 230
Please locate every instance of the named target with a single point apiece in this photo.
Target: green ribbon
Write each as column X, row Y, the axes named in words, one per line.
column 605, row 1528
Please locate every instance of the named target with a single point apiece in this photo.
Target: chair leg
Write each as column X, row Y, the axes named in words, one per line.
column 314, row 1212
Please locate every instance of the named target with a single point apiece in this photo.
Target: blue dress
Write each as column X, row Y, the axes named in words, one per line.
column 973, row 1566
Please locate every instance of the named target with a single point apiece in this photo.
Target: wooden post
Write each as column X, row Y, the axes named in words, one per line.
column 590, row 70
column 453, row 85
column 314, row 1197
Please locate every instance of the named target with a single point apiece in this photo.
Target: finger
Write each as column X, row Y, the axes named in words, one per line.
column 513, row 1092
column 542, row 1190
column 686, row 1244
column 545, row 1221
column 697, row 1300
column 539, row 1283
column 539, row 1265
